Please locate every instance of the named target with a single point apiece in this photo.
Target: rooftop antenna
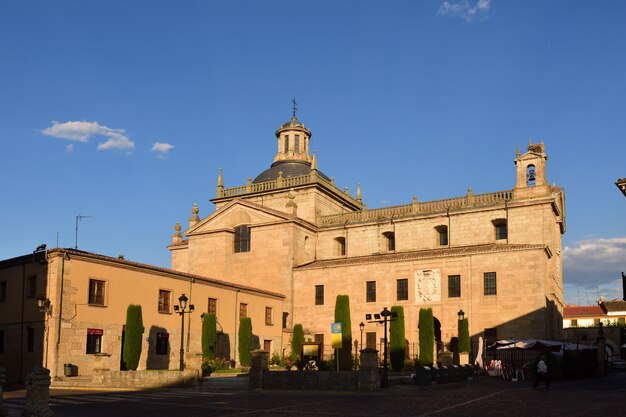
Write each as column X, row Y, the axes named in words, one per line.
column 79, row 217
column 295, row 107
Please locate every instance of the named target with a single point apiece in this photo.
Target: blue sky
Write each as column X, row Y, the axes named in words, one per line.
column 407, row 98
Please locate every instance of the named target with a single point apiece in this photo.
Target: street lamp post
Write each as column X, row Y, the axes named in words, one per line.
column 384, row 317
column 180, row 309
column 361, row 327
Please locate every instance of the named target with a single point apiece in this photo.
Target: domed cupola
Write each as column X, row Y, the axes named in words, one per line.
column 293, row 158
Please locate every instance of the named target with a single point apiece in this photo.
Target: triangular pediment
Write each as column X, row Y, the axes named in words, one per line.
column 238, row 212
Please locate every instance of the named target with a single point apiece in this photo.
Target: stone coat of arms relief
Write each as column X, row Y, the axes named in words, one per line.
column 428, row 286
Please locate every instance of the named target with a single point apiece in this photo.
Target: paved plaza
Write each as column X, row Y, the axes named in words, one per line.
column 482, row 397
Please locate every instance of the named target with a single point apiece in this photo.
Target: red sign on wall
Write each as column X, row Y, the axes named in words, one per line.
column 97, row 332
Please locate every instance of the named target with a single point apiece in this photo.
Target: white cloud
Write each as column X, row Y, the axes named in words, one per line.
column 465, row 10
column 83, row 131
column 162, row 149
column 594, row 262
column 69, row 148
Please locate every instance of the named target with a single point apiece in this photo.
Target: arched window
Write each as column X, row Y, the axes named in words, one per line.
column 389, row 241
column 501, row 229
column 531, row 175
column 242, row 238
column 341, row 246
column 442, row 235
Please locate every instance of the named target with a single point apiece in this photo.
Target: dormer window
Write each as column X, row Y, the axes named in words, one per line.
column 501, row 229
column 340, row 244
column 389, row 241
column 242, row 239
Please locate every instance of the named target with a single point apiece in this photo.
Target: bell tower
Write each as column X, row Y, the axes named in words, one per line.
column 531, row 172
column 293, row 140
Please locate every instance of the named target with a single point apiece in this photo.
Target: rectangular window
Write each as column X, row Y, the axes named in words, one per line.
column 164, row 301
column 454, row 286
column 286, row 143
column 162, row 343
column 1, row 341
column 319, row 338
column 501, row 231
column 30, row 341
column 285, row 315
column 370, row 340
column 370, row 291
column 242, row 239
column 267, row 345
column 212, row 307
column 243, row 310
column 96, row 292
column 490, row 283
column 296, row 145
column 94, row 340
column 402, row 286
column 32, row 287
column 574, row 323
column 319, row 295
column 269, row 316
column 3, row 291
column 442, row 231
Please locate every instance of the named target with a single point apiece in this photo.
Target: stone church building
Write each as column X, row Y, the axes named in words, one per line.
column 290, row 230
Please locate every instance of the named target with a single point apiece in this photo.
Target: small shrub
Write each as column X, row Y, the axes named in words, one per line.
column 275, row 359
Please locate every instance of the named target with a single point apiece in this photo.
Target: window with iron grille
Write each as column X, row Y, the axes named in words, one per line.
column 454, row 286
column 490, row 283
column 96, row 292
column 164, row 301
column 370, row 291
column 269, row 316
column 319, row 295
column 370, row 340
column 212, row 307
column 94, row 340
column 243, row 310
column 402, row 289
column 242, row 239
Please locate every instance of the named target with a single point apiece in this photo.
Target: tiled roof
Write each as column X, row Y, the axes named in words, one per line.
column 614, row 305
column 582, row 311
column 163, row 270
column 421, row 254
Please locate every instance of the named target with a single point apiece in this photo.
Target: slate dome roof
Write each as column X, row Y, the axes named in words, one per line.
column 289, row 169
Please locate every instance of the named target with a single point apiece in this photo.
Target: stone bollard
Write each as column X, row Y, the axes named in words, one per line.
column 38, row 393
column 259, row 362
column 3, row 373
column 369, row 375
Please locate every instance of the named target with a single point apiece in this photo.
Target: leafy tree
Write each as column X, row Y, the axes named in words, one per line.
column 209, row 336
column 245, row 340
column 342, row 315
column 464, row 339
column 297, row 339
column 426, row 328
column 397, row 339
column 133, row 333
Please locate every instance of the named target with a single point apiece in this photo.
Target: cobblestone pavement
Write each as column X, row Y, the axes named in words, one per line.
column 482, row 397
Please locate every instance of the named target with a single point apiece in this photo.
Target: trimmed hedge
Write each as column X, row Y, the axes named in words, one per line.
column 397, row 342
column 245, row 340
column 133, row 333
column 342, row 315
column 426, row 329
column 209, row 336
column 464, row 339
column 297, row 339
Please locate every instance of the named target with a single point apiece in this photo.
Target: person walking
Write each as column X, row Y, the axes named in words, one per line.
column 542, row 373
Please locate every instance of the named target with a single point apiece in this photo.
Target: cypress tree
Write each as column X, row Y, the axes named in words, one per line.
column 464, row 340
column 297, row 339
column 245, row 340
column 209, row 336
column 133, row 332
column 342, row 315
column 397, row 339
column 426, row 328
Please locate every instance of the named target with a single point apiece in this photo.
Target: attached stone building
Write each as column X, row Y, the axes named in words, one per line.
column 496, row 255
column 87, row 296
